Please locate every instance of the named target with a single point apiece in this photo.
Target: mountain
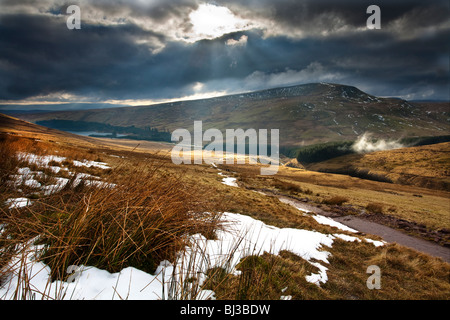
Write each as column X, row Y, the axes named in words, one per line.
column 304, row 114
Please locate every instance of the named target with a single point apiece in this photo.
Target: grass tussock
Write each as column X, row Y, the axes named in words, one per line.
column 138, row 223
column 266, row 277
column 404, row 273
column 374, row 208
column 8, row 160
column 336, row 200
column 141, row 220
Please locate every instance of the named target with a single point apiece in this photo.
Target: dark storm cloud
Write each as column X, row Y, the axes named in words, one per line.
column 379, row 64
column 134, row 49
column 40, row 55
column 317, row 16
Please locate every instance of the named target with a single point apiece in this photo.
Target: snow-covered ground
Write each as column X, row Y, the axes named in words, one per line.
column 86, row 163
column 229, row 181
column 242, row 236
column 18, row 202
column 27, row 177
column 42, row 161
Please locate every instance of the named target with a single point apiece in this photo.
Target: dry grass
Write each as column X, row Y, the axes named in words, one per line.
column 405, row 273
column 336, row 200
column 8, row 161
column 142, row 221
column 424, row 206
column 266, row 277
column 423, row 166
column 374, row 208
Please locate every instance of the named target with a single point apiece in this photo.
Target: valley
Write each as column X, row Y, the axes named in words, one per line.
column 305, row 114
column 239, row 193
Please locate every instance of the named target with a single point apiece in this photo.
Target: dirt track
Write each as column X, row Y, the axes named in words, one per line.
column 388, row 234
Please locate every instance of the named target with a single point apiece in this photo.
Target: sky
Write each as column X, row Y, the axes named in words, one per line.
column 137, row 52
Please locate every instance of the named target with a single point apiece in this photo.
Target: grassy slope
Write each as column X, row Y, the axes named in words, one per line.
column 425, row 166
column 421, row 205
column 406, row 273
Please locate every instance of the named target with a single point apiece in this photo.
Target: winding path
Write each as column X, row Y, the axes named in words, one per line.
column 388, row 234
column 363, row 225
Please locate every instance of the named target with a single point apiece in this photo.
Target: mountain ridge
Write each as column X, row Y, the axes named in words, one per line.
column 305, row 114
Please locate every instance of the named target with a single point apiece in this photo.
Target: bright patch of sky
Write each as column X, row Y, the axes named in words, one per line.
column 210, row 21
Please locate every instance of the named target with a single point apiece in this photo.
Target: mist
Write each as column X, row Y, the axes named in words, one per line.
column 366, row 143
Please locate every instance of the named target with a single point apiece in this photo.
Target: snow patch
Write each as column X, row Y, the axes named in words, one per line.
column 320, row 277
column 376, row 243
column 330, row 222
column 230, row 181
column 39, row 160
column 26, row 176
column 18, row 202
column 87, row 163
column 242, row 236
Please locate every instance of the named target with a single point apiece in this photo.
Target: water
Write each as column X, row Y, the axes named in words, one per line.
column 89, row 133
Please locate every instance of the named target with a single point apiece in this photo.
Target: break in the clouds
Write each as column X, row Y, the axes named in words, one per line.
column 137, row 52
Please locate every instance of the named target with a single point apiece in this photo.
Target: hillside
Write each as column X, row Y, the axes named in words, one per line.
column 305, row 114
column 424, row 166
column 126, row 213
column 20, row 128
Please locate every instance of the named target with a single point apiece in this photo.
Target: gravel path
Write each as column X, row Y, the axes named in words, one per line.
column 388, row 234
